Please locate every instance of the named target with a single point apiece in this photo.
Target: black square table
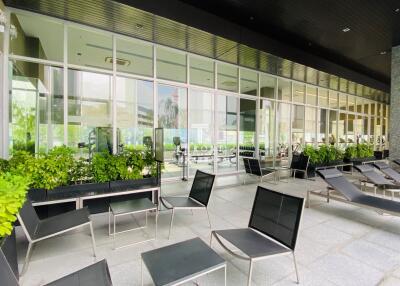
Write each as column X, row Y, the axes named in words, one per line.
column 181, row 262
column 130, row 207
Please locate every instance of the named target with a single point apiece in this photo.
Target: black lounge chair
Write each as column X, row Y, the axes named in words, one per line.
column 96, row 274
column 349, row 193
column 38, row 230
column 388, row 171
column 198, row 199
column 253, row 168
column 7, row 275
column 273, row 229
column 396, row 161
column 376, row 179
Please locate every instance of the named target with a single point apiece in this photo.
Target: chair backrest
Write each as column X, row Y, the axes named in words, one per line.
column 387, row 170
column 375, row 177
column 277, row 216
column 299, row 162
column 7, row 277
column 255, row 166
column 396, row 161
column 246, row 165
column 337, row 181
column 202, row 186
column 28, row 218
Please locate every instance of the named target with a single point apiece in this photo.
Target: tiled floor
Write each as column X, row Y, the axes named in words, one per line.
column 338, row 244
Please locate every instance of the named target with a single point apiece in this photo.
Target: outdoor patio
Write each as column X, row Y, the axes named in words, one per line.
column 338, row 244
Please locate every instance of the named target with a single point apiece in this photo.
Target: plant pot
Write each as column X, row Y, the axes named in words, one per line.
column 9, row 248
column 73, row 191
column 37, row 195
column 378, row 155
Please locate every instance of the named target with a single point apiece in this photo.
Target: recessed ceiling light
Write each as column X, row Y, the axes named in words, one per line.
column 397, row 10
column 79, row 54
column 383, row 53
column 139, row 26
column 251, row 18
column 345, row 30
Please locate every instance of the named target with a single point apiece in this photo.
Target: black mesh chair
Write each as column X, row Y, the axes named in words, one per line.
column 198, row 197
column 253, row 168
column 349, row 193
column 7, row 276
column 298, row 164
column 388, row 171
column 377, row 180
column 38, row 230
column 273, row 229
column 96, row 274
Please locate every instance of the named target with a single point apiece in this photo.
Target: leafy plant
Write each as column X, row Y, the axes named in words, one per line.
column 363, row 150
column 12, row 197
column 351, row 152
column 100, row 167
column 312, row 153
column 80, row 171
column 4, row 166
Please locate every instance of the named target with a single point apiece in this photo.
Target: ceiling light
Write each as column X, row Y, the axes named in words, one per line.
column 383, row 53
column 397, row 10
column 345, row 30
column 139, row 26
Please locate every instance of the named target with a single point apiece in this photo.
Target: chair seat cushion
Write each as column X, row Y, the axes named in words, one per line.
column 251, row 243
column 59, row 223
column 380, row 203
column 96, row 274
column 181, row 202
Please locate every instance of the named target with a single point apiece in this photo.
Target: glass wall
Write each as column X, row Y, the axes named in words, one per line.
column 114, row 103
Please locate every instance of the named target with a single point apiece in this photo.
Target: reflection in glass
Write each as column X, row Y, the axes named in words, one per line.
column 226, row 123
column 172, row 116
column 324, row 137
column 311, row 95
column 248, row 82
column 351, row 129
column 283, row 132
column 309, row 131
column 333, row 99
column 266, row 135
column 342, row 129
column 284, row 90
column 134, row 57
column 267, row 86
column 342, row 101
column 297, row 127
column 333, row 127
column 227, row 77
column 134, row 113
column 299, row 92
column 247, row 130
column 89, row 112
column 171, row 65
column 323, row 98
column 36, row 107
column 201, row 131
column 201, row 71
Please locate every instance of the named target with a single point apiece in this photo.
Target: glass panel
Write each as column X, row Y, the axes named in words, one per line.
column 89, row 48
column 333, row 99
column 311, row 95
column 266, row 136
column 384, row 131
column 201, row 131
column 247, row 130
column 372, row 108
column 284, row 90
column 343, row 85
column 333, row 82
column 351, row 102
column 267, row 86
column 171, row 65
column 352, row 87
column 134, row 113
column 297, row 127
column 311, row 75
column 359, row 108
column 36, row 37
column 323, row 79
column 89, row 112
column 365, row 130
column 248, row 82
column 283, row 133
column 226, row 123
column 379, row 109
column 201, row 71
column 172, row 116
column 342, row 101
column 372, row 130
column 298, row 72
column 299, row 91
column 36, row 107
column 342, row 129
column 227, row 77
column 323, row 136
column 310, row 135
column 323, row 98
column 351, row 129
column 333, row 124
column 358, row 128
column 134, row 57
column 378, row 132
column 366, row 107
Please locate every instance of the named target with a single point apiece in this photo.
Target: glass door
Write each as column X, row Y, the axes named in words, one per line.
column 247, row 130
column 201, row 131
column 227, row 125
column 172, row 116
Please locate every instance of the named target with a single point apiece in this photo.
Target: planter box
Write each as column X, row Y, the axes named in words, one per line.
column 125, row 185
column 37, row 195
column 9, row 248
column 74, row 191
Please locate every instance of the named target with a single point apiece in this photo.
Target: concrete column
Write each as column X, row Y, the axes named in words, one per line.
column 394, row 124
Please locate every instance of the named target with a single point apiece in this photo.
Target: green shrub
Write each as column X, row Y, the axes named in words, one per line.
column 312, row 153
column 4, row 166
column 100, row 167
column 362, row 150
column 12, row 197
column 80, row 171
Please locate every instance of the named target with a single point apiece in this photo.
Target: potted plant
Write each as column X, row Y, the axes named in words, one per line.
column 12, row 197
column 358, row 153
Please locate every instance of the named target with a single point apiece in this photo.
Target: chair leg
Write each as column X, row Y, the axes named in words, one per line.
column 93, row 241
column 250, row 273
column 27, row 257
column 211, row 237
column 295, row 268
column 172, row 221
column 208, row 216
